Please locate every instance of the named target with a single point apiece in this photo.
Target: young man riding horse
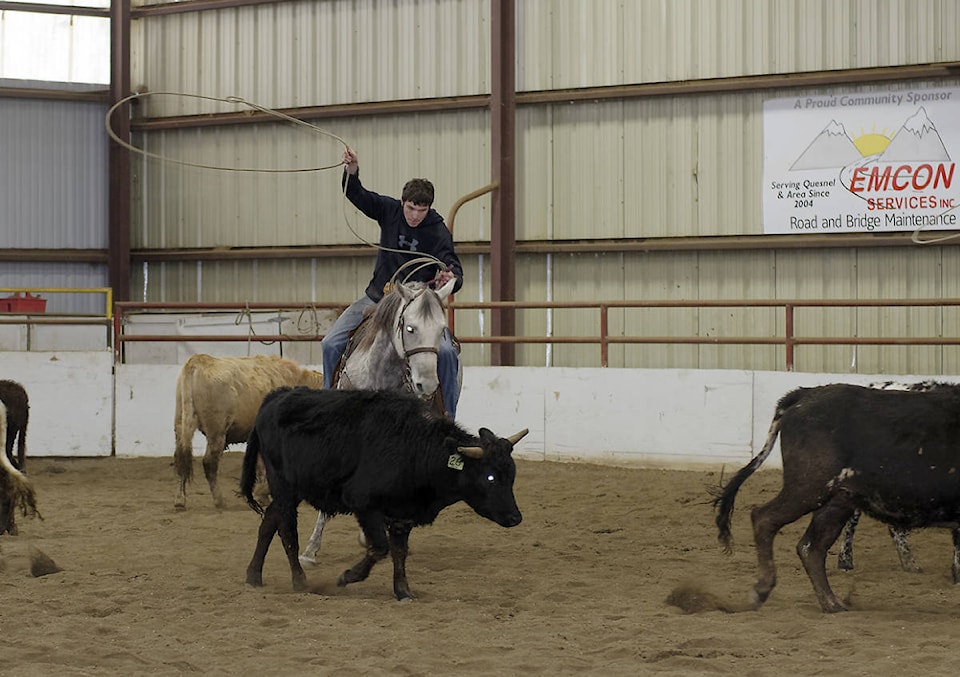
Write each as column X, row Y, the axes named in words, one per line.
column 409, row 228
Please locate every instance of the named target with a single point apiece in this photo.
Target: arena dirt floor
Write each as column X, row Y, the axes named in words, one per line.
column 581, row 587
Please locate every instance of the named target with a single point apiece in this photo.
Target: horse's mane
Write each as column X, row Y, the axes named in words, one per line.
column 382, row 315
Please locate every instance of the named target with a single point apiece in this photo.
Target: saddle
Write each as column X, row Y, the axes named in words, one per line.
column 353, row 338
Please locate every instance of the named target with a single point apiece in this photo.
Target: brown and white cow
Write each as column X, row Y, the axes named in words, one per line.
column 900, row 536
column 220, row 397
column 893, row 454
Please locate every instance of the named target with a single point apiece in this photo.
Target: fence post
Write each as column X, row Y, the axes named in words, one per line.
column 604, row 358
column 117, row 343
column 788, row 331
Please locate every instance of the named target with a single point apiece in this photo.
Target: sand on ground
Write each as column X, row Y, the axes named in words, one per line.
column 580, row 587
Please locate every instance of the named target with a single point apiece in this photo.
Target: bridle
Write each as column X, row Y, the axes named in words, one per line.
column 408, row 353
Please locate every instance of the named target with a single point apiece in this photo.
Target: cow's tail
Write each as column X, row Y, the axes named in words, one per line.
column 184, row 424
column 727, row 493
column 248, row 474
column 20, row 492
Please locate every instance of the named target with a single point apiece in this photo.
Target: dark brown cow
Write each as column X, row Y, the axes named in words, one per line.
column 14, row 397
column 16, row 492
column 893, row 454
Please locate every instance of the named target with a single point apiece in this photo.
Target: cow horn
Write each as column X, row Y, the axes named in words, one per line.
column 471, row 452
column 516, row 437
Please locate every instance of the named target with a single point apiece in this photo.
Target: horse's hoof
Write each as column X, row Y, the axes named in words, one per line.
column 308, row 560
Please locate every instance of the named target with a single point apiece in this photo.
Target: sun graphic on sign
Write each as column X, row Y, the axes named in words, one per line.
column 872, row 142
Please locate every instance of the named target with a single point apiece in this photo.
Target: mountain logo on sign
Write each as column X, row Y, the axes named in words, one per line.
column 917, row 140
column 831, row 148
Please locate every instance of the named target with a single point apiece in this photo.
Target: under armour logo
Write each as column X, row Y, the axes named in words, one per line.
column 411, row 245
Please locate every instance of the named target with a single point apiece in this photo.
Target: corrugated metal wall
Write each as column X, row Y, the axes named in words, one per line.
column 53, row 194
column 309, row 53
column 681, row 166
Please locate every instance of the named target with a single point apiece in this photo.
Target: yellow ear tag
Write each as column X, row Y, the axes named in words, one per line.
column 455, row 461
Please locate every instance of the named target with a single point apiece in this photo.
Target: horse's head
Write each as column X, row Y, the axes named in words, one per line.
column 421, row 321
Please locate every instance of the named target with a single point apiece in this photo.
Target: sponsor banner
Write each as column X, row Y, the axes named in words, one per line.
column 877, row 161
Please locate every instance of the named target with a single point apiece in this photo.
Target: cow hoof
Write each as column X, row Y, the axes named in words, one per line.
column 346, row 578
column 254, row 581
column 179, row 507
column 755, row 600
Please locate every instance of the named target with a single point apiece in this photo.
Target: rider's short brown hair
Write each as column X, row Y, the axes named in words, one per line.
column 418, row 191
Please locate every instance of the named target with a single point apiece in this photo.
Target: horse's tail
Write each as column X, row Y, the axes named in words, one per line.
column 248, row 474
column 20, row 491
column 727, row 494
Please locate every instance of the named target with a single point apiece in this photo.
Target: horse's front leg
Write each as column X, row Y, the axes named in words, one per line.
column 312, row 549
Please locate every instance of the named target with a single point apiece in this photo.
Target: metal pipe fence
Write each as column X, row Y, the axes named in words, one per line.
column 789, row 339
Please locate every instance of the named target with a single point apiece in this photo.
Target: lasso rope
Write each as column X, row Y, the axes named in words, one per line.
column 229, row 99
column 915, row 235
column 236, row 100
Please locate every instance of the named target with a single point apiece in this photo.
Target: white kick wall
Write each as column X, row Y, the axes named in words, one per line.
column 670, row 418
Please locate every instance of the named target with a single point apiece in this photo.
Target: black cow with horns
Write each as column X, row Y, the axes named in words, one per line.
column 893, row 454
column 381, row 456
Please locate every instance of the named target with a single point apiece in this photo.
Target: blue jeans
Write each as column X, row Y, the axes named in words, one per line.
column 335, row 341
